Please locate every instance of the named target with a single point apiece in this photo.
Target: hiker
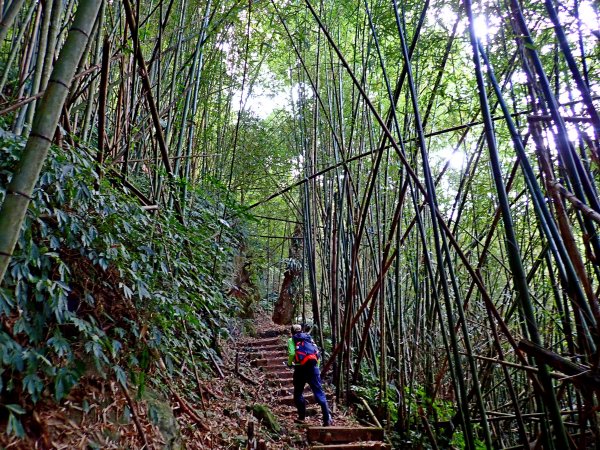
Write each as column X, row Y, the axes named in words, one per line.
column 303, row 355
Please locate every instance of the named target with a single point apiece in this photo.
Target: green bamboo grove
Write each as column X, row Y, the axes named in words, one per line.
column 437, row 161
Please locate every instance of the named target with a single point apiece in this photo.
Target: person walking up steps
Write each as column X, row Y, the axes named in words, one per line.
column 303, row 355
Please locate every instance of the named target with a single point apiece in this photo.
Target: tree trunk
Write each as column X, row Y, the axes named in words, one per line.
column 283, row 312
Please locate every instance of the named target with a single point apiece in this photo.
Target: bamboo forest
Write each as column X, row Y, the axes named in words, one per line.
column 410, row 186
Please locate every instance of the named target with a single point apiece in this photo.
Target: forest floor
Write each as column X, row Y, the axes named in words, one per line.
column 100, row 414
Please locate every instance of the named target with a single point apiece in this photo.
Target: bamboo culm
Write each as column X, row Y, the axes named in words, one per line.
column 22, row 184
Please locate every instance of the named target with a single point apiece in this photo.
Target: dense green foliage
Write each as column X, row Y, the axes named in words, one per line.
column 99, row 284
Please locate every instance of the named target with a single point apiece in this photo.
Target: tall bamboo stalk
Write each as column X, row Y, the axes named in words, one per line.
column 513, row 251
column 20, row 189
column 9, row 17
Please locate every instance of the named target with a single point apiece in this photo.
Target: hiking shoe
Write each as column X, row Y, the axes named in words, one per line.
column 329, row 423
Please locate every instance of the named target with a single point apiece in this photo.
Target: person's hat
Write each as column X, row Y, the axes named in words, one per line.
column 296, row 328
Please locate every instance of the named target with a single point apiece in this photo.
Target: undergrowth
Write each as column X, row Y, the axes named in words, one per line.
column 99, row 285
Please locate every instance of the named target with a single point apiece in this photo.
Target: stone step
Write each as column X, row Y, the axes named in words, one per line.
column 267, row 348
column 354, row 446
column 263, row 342
column 287, row 391
column 311, row 411
column 276, row 369
column 269, row 362
column 277, row 346
column 258, row 354
column 281, row 377
column 341, row 435
column 310, row 398
column 273, row 333
column 280, row 382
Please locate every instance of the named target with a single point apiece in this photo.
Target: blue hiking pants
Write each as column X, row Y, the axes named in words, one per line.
column 309, row 373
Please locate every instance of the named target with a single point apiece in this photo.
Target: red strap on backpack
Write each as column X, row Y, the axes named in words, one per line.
column 302, row 357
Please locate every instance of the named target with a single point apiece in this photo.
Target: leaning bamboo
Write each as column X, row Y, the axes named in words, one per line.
column 139, row 57
column 51, row 46
column 9, row 18
column 447, row 280
column 36, row 85
column 20, row 189
column 513, row 250
column 13, row 51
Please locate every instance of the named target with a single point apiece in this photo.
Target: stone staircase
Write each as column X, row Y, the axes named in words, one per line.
column 269, row 355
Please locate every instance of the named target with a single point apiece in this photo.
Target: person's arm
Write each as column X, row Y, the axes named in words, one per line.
column 291, row 352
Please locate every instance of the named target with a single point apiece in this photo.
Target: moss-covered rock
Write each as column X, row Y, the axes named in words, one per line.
column 161, row 414
column 264, row 414
column 249, row 327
